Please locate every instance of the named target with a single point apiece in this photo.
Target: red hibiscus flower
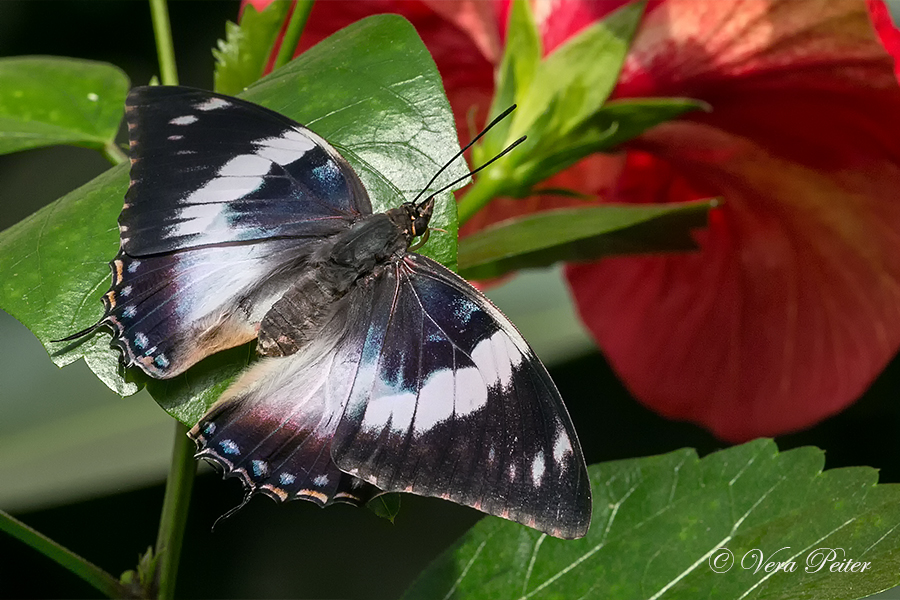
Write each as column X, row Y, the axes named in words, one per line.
column 792, row 305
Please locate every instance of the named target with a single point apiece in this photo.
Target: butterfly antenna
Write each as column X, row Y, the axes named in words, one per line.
column 499, row 118
column 78, row 334
column 487, row 164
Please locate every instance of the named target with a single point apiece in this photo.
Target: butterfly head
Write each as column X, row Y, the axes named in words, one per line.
column 419, row 216
column 412, row 220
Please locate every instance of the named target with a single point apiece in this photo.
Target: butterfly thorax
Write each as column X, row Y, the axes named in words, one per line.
column 304, row 309
column 371, row 240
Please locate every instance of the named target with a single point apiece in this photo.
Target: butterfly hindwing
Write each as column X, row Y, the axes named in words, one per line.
column 227, row 202
column 450, row 401
column 273, row 427
column 169, row 311
column 416, row 384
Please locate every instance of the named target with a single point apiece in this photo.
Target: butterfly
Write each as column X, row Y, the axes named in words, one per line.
column 379, row 369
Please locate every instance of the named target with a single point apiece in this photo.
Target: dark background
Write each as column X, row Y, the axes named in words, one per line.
column 298, row 550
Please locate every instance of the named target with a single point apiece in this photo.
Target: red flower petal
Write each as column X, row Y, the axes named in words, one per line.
column 558, row 21
column 793, row 305
column 463, row 57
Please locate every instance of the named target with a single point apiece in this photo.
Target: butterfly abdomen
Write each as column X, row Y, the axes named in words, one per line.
column 298, row 316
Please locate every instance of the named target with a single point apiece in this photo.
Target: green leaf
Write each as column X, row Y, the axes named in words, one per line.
column 578, row 234
column 386, row 506
column 54, row 269
column 46, row 101
column 242, row 56
column 560, row 112
column 659, row 525
column 617, row 122
column 573, row 81
column 633, row 116
column 188, row 396
column 371, row 89
column 521, row 57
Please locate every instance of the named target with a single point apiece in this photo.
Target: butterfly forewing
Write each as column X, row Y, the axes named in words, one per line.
column 210, row 169
column 227, row 201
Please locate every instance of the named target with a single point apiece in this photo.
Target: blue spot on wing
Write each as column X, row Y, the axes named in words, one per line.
column 463, row 309
column 140, row 340
column 229, row 447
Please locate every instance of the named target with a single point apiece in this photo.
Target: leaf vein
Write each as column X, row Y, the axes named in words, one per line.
column 798, row 553
column 691, row 568
column 878, row 541
column 534, row 553
column 592, row 551
column 465, row 570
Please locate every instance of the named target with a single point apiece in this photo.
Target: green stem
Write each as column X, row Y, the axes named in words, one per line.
column 165, row 50
column 291, row 37
column 113, row 153
column 181, row 472
column 174, row 512
column 486, row 188
column 94, row 575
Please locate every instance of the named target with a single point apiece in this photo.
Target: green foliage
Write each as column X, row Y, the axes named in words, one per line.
column 54, row 270
column 242, row 56
column 573, row 81
column 521, row 58
column 614, row 123
column 562, row 106
column 579, row 234
column 54, row 264
column 556, row 95
column 659, row 522
column 386, row 506
column 140, row 581
column 47, row 100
